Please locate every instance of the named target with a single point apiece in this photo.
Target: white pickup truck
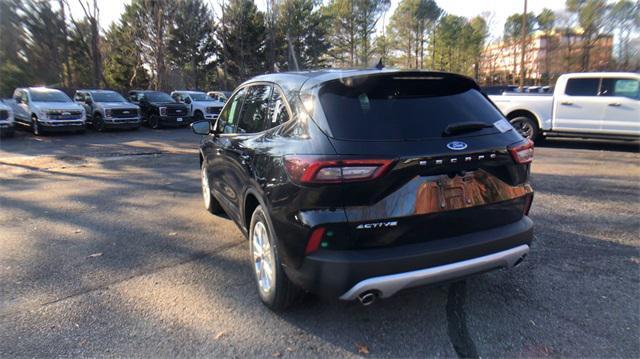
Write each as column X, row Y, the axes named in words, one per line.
column 200, row 105
column 44, row 109
column 587, row 105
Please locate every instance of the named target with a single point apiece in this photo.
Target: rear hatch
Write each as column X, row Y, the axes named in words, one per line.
column 452, row 172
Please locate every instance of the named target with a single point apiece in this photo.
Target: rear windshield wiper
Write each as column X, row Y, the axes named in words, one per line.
column 462, row 127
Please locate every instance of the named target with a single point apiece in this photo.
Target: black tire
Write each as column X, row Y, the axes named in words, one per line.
column 154, row 122
column 97, row 122
column 198, row 116
column 283, row 293
column 210, row 203
column 526, row 126
column 35, row 128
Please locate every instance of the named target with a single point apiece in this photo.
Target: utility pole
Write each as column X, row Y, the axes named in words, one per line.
column 523, row 43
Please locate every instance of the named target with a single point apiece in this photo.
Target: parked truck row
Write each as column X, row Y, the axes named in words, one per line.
column 43, row 109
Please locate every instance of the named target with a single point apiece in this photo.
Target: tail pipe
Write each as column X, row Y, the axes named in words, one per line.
column 368, row 297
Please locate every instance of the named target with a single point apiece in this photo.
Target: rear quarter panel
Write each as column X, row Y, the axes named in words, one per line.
column 539, row 105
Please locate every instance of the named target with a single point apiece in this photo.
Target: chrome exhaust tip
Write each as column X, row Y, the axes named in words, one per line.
column 367, row 298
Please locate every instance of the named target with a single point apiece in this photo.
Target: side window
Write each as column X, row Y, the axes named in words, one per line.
column 278, row 112
column 621, row 87
column 187, row 100
column 254, row 110
column 582, row 87
column 229, row 116
column 24, row 97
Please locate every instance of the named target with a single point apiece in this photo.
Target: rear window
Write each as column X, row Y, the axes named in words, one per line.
column 403, row 108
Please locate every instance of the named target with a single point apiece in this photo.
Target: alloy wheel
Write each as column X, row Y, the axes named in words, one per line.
column 263, row 257
column 206, row 191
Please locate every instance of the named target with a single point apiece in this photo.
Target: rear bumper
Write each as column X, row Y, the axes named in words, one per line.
column 389, row 285
column 345, row 274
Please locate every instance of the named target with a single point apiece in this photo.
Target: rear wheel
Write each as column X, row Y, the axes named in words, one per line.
column 210, row 203
column 276, row 291
column 526, row 126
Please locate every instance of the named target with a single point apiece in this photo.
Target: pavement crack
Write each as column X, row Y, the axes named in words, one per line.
column 457, row 321
column 191, row 258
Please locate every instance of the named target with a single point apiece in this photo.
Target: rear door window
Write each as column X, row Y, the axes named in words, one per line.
column 254, row 111
column 278, row 112
column 621, row 87
column 582, row 87
column 403, row 108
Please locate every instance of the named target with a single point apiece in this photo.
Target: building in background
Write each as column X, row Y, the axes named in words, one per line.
column 547, row 56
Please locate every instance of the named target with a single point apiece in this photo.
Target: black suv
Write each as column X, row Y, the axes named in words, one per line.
column 357, row 184
column 159, row 109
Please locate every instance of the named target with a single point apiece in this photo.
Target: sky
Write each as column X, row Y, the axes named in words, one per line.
column 110, row 10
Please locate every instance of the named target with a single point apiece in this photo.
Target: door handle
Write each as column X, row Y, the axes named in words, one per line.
column 566, row 103
column 615, row 104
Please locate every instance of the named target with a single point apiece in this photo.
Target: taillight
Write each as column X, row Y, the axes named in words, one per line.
column 314, row 169
column 314, row 240
column 522, row 153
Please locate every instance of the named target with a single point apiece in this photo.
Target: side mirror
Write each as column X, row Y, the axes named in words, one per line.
column 88, row 101
column 18, row 100
column 201, row 127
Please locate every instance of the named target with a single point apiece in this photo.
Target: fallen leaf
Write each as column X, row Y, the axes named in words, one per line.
column 219, row 335
column 362, row 349
column 289, row 349
column 77, row 231
column 173, row 233
column 99, row 254
column 276, row 354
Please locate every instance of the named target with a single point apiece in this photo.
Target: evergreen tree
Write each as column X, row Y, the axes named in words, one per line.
column 12, row 49
column 123, row 63
column 191, row 40
column 305, row 26
column 410, row 25
column 242, row 35
column 45, row 41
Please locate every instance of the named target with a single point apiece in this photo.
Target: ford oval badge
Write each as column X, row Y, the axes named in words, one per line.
column 456, row 145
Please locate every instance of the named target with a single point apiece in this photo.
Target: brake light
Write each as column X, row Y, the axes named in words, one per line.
column 522, row 153
column 313, row 169
column 314, row 240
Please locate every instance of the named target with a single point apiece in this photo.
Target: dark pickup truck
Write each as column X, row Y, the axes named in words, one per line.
column 159, row 109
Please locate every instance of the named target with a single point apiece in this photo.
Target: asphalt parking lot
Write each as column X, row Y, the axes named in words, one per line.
column 106, row 250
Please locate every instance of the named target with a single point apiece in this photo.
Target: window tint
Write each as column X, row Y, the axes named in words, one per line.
column 254, row 110
column 403, row 108
column 278, row 112
column 582, row 87
column 229, row 117
column 621, row 87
